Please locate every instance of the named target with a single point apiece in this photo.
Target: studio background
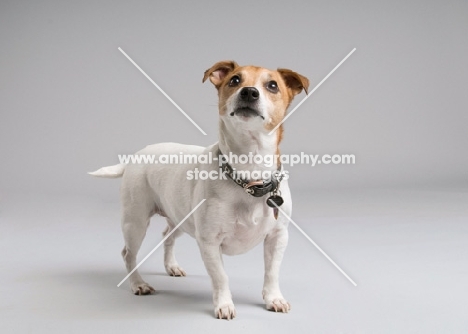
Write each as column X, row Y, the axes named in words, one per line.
column 70, row 102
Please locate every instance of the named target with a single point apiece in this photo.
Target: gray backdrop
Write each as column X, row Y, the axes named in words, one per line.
column 70, row 101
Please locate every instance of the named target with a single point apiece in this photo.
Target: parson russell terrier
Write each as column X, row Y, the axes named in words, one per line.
column 236, row 215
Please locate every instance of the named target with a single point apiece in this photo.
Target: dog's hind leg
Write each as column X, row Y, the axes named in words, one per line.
column 170, row 262
column 136, row 214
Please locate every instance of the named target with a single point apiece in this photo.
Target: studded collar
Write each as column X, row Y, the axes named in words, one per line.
column 255, row 188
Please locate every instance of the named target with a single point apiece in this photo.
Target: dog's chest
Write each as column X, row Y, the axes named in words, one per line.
column 248, row 228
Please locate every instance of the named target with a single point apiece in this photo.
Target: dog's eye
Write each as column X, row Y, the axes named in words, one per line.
column 235, row 80
column 272, row 86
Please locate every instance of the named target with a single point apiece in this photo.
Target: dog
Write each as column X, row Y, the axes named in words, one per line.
column 236, row 215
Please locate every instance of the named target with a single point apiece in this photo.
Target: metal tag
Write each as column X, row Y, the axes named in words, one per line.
column 275, row 213
column 278, row 200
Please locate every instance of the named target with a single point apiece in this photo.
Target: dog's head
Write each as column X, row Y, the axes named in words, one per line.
column 254, row 97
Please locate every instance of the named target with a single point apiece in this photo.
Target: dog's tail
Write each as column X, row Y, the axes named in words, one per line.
column 111, row 172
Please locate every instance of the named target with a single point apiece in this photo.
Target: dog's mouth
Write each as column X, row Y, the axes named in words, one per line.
column 246, row 112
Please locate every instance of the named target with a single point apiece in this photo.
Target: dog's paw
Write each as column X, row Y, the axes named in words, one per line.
column 175, row 270
column 225, row 311
column 278, row 305
column 142, row 288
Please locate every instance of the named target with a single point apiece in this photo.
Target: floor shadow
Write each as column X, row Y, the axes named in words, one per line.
column 90, row 294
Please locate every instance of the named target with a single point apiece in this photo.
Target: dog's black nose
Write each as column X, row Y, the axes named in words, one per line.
column 249, row 94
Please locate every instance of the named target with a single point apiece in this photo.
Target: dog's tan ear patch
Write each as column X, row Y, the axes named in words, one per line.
column 294, row 81
column 218, row 71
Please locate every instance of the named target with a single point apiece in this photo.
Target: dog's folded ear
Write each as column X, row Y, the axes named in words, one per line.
column 294, row 81
column 218, row 71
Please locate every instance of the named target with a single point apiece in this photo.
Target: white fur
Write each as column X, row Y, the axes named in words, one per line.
column 110, row 172
column 229, row 222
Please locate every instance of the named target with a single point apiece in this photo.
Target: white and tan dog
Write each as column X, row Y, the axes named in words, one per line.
column 252, row 101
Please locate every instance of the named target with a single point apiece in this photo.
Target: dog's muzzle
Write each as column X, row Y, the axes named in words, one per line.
column 246, row 105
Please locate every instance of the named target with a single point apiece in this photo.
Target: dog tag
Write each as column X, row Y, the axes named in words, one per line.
column 278, row 200
column 275, row 213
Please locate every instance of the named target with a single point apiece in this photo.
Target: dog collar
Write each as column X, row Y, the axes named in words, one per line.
column 255, row 188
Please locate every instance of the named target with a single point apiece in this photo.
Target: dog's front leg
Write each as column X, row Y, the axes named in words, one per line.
column 222, row 299
column 274, row 245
